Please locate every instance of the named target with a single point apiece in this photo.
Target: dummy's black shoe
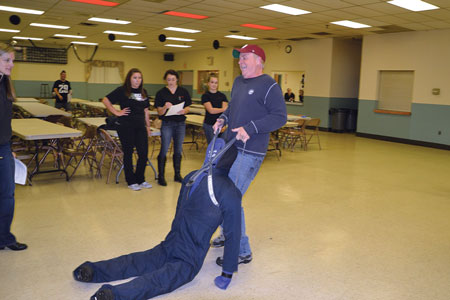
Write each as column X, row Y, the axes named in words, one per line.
column 103, row 294
column 16, row 247
column 242, row 259
column 84, row 273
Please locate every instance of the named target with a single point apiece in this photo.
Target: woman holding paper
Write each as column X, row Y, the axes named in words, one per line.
column 172, row 103
column 7, row 186
column 134, row 128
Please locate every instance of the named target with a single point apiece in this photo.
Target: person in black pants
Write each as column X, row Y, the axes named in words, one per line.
column 215, row 103
column 7, row 186
column 173, row 126
column 134, row 128
column 62, row 90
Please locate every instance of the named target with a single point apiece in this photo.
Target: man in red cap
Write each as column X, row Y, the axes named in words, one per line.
column 256, row 109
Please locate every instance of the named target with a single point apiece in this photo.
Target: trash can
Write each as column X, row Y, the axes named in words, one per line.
column 350, row 125
column 338, row 119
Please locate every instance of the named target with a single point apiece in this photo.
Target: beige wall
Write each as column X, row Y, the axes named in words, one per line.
column 346, row 63
column 427, row 53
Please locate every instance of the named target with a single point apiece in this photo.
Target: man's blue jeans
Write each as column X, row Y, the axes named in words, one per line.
column 169, row 130
column 7, row 187
column 242, row 173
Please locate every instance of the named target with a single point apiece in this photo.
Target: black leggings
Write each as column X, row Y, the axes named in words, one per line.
column 132, row 136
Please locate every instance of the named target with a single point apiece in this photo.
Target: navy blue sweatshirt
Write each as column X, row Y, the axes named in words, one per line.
column 257, row 104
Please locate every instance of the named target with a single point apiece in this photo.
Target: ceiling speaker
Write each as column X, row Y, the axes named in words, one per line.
column 162, row 38
column 216, row 44
column 111, row 37
column 14, row 19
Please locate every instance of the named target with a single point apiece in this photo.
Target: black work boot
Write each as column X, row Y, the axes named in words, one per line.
column 84, row 273
column 177, row 167
column 103, row 294
column 161, row 168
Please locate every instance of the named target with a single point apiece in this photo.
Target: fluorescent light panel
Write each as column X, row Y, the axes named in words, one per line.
column 120, row 32
column 351, row 24
column 21, row 10
column 285, row 9
column 182, row 29
column 179, row 39
column 177, row 46
column 262, row 27
column 414, row 5
column 134, row 47
column 9, row 30
column 98, row 2
column 84, row 43
column 240, row 37
column 49, row 26
column 113, row 21
column 70, row 36
column 127, row 41
column 27, row 38
column 185, row 15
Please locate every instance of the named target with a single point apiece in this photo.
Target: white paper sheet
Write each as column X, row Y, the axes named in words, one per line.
column 20, row 175
column 174, row 109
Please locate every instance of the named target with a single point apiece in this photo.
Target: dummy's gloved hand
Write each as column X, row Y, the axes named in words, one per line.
column 223, row 281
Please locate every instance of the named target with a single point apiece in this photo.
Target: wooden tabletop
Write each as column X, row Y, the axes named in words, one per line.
column 21, row 99
column 37, row 129
column 196, row 120
column 40, row 110
column 97, row 122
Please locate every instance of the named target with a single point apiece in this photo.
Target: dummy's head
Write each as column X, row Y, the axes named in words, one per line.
column 225, row 161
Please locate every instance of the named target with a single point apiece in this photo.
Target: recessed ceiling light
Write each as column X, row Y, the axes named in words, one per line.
column 285, row 9
column 240, row 37
column 70, row 36
column 27, row 38
column 134, row 47
column 182, row 29
column 21, row 10
column 97, row 2
column 49, row 26
column 84, row 43
column 179, row 39
column 414, row 5
column 185, row 15
column 119, row 32
column 9, row 30
column 262, row 27
column 113, row 21
column 177, row 46
column 351, row 24
column 127, row 41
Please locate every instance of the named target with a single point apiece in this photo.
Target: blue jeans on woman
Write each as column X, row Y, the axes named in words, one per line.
column 7, row 187
column 172, row 130
column 242, row 173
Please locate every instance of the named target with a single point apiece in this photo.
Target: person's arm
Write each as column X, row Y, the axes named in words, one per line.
column 110, row 107
column 147, row 121
column 163, row 109
column 57, row 93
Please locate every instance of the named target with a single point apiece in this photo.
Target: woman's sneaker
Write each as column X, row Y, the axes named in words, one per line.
column 135, row 187
column 218, row 241
column 242, row 259
column 145, row 185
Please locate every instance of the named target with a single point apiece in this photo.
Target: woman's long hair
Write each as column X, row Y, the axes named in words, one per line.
column 10, row 93
column 127, row 83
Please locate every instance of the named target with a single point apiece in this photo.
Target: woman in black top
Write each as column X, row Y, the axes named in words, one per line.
column 173, row 126
column 7, row 166
column 134, row 128
column 215, row 103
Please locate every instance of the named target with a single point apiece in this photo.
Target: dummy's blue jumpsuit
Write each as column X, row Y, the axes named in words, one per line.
column 178, row 259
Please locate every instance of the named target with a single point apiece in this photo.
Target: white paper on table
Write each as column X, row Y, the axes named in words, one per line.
column 20, row 175
column 174, row 109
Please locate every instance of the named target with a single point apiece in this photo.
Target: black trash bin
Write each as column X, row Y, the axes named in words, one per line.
column 338, row 119
column 350, row 125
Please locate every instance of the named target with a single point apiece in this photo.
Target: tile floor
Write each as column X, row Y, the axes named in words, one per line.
column 358, row 220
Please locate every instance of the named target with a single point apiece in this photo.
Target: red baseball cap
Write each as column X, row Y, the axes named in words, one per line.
column 250, row 49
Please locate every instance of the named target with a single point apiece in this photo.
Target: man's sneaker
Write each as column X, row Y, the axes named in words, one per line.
column 84, row 273
column 242, row 259
column 218, row 241
column 145, row 185
column 103, row 294
column 134, row 187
